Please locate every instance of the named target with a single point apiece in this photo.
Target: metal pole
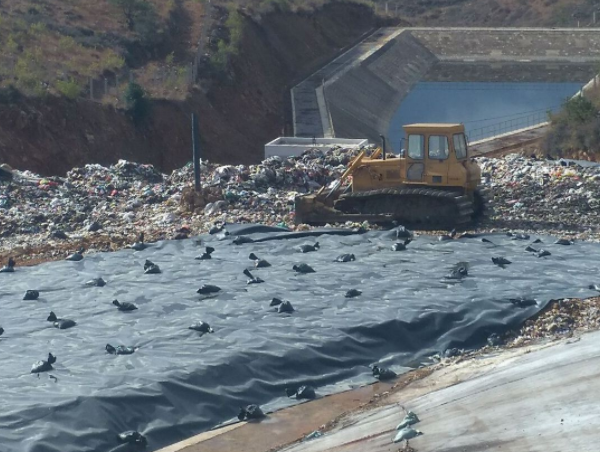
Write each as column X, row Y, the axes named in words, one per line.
column 196, row 152
column 382, row 146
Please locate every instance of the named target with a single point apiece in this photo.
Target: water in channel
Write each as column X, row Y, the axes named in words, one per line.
column 486, row 109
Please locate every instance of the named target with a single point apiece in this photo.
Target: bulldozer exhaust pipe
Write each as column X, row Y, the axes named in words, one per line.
column 382, row 146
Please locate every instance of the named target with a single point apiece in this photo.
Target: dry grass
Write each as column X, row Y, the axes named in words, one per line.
column 56, row 46
column 50, row 43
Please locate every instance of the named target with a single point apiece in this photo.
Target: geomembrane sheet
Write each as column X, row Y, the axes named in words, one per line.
column 179, row 383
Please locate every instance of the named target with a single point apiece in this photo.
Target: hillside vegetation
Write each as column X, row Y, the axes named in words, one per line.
column 56, row 46
column 59, row 46
column 575, row 129
column 231, row 61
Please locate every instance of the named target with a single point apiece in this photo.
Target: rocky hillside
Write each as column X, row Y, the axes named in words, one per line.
column 491, row 13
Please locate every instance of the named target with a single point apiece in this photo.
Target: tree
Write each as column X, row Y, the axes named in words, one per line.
column 137, row 102
column 133, row 10
column 580, row 110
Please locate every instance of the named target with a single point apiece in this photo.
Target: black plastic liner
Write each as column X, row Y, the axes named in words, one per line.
column 178, row 384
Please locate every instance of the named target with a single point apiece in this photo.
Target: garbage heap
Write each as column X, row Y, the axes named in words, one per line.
column 539, row 195
column 124, row 199
column 127, row 198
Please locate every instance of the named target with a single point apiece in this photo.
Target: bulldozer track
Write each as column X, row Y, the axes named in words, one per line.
column 424, row 207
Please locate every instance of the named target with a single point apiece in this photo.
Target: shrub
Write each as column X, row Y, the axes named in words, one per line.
column 11, row 43
column 140, row 16
column 235, row 25
column 225, row 49
column 68, row 88
column 147, row 25
column 37, row 29
column 575, row 128
column 274, row 5
column 9, row 95
column 67, row 43
column 220, row 58
column 579, row 110
column 112, row 60
column 29, row 73
column 137, row 103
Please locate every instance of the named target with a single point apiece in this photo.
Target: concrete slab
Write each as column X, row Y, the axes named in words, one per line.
column 282, row 427
column 538, row 400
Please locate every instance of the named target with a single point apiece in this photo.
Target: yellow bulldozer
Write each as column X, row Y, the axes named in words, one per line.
column 432, row 184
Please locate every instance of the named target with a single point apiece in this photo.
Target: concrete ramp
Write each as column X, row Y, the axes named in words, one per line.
column 542, row 401
column 365, row 101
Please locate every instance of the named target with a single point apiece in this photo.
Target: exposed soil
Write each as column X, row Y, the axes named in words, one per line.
column 237, row 116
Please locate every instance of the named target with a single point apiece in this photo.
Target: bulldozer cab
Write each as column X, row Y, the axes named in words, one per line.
column 436, row 155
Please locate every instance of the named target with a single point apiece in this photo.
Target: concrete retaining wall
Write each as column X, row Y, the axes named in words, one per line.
column 294, row 146
column 362, row 102
column 357, row 95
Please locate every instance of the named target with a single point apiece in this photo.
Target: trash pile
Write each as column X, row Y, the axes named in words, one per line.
column 533, row 195
column 128, row 198
column 118, row 202
column 562, row 318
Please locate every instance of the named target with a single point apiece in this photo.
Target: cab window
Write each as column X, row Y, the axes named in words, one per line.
column 460, row 145
column 438, row 147
column 416, row 147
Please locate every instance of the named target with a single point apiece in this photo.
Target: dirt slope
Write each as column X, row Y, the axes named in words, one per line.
column 237, row 116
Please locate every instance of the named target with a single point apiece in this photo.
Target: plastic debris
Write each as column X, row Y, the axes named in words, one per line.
column 313, row 435
column 303, row 392
column 132, row 437
column 126, row 198
column 118, row 202
column 382, row 373
column 250, row 412
column 532, row 193
column 44, row 365
column 352, row 293
column 150, row 268
column 31, row 295
column 201, row 327
column 98, row 282
column 119, row 350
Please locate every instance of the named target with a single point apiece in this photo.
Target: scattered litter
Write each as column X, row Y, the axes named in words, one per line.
column 250, row 412
column 313, row 435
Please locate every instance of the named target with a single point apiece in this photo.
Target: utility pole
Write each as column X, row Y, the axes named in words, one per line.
column 196, row 152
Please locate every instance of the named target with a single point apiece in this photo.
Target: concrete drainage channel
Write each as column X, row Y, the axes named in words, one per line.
column 357, row 94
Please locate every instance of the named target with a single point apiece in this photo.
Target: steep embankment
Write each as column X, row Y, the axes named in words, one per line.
column 237, row 115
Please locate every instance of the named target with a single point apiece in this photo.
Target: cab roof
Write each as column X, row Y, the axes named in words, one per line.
column 450, row 127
